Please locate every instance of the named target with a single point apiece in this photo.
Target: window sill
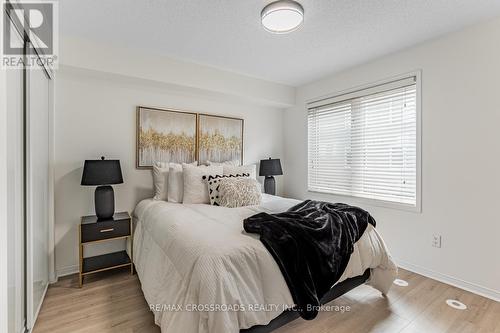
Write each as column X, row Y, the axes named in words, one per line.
column 371, row 202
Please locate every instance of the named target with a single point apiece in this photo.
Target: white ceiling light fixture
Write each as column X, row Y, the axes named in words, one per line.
column 282, row 16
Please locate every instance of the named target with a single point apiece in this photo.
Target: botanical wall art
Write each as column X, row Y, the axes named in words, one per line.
column 219, row 138
column 184, row 137
column 165, row 136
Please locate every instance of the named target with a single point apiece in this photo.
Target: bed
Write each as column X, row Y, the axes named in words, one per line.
column 200, row 272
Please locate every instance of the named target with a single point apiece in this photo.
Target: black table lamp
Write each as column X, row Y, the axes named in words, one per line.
column 102, row 173
column 270, row 168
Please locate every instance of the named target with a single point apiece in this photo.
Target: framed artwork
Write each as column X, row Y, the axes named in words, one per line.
column 219, row 138
column 165, row 136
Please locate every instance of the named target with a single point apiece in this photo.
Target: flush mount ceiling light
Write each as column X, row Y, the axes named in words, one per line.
column 283, row 16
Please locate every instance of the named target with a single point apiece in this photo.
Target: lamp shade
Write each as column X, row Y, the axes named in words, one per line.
column 102, row 172
column 270, row 167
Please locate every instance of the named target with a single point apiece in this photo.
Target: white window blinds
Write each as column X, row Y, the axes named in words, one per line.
column 364, row 143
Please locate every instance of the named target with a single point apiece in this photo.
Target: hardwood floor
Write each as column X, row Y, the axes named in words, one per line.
column 113, row 302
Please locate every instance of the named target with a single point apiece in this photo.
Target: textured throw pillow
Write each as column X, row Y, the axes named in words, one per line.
column 239, row 192
column 160, row 180
column 213, row 186
column 232, row 170
column 175, row 183
column 232, row 162
column 195, row 187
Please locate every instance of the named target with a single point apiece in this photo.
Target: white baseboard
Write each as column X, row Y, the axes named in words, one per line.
column 472, row 287
column 468, row 286
column 68, row 270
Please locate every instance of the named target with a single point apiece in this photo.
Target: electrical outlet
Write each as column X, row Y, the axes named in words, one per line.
column 436, row 241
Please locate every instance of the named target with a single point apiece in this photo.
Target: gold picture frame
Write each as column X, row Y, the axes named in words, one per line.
column 171, row 135
column 220, row 138
column 165, row 135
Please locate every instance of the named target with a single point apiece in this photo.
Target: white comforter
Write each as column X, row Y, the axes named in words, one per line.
column 196, row 257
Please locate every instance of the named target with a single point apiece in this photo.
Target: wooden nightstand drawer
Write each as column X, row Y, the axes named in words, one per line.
column 105, row 230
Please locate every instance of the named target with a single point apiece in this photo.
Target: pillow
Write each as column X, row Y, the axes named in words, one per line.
column 213, row 186
column 232, row 170
column 232, row 162
column 160, row 180
column 175, row 182
column 239, row 192
column 195, row 187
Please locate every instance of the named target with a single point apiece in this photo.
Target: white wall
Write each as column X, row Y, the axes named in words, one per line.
column 96, row 115
column 460, row 156
column 81, row 53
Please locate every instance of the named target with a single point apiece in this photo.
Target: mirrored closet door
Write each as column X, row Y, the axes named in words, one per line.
column 30, row 188
column 37, row 176
column 15, row 189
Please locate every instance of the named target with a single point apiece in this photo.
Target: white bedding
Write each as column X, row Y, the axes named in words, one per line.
column 199, row 254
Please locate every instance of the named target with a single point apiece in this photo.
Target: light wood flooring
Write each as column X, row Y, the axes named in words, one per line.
column 113, row 302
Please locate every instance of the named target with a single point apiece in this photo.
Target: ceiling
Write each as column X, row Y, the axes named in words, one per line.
column 227, row 34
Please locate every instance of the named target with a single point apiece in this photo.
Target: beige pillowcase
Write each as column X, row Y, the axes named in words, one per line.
column 175, row 182
column 239, row 192
column 234, row 170
column 160, row 180
column 195, row 187
column 232, row 162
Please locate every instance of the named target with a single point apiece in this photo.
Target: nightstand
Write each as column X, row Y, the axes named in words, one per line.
column 93, row 231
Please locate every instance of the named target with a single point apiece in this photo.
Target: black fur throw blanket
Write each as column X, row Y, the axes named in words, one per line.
column 311, row 243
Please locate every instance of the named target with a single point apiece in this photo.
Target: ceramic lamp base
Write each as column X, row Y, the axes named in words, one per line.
column 270, row 185
column 104, row 198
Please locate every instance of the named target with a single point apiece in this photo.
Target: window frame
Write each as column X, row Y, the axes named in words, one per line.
column 417, row 208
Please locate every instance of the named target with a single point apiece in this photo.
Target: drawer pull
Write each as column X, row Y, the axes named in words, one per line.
column 107, row 230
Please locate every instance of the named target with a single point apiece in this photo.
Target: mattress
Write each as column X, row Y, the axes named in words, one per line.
column 200, row 272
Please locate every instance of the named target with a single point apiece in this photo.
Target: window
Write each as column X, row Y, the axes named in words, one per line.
column 364, row 143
